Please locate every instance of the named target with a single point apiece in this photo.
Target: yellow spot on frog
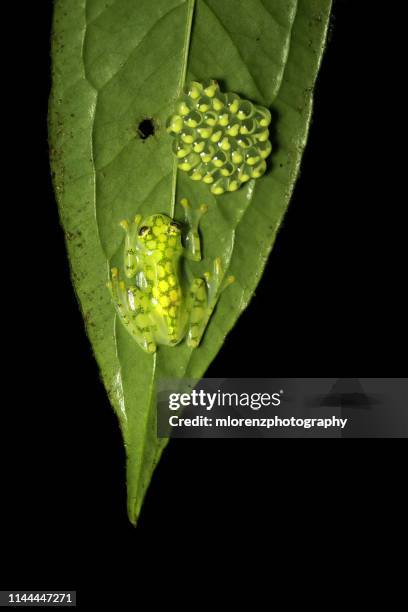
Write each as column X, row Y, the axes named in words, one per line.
column 157, row 256
column 161, row 273
column 174, row 295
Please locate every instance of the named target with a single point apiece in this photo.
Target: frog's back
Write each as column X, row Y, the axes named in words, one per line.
column 162, row 282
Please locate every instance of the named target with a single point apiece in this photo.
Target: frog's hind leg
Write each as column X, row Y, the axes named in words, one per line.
column 193, row 216
column 204, row 295
column 131, row 305
column 198, row 312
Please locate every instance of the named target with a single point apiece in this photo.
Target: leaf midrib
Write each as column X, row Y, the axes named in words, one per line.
column 186, row 48
column 185, row 53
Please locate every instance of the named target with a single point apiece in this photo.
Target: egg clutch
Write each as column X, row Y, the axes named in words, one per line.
column 219, row 138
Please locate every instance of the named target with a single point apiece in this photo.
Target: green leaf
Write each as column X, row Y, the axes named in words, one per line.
column 118, row 62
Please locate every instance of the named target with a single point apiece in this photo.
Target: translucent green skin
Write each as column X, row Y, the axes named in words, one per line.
column 219, row 138
column 158, row 309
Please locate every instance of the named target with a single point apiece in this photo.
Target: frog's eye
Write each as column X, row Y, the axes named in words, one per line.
column 174, row 227
column 144, row 231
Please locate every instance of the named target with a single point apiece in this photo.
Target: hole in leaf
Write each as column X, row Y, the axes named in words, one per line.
column 145, row 128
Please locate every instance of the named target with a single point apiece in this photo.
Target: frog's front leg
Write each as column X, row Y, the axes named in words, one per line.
column 130, row 257
column 193, row 216
column 132, row 306
column 204, row 295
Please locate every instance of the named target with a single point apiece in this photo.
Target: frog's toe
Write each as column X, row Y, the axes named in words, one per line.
column 217, row 266
column 228, row 281
column 192, row 342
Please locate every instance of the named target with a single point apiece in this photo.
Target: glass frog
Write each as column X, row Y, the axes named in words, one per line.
column 160, row 308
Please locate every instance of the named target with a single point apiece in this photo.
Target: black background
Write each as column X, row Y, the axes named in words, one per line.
column 334, row 284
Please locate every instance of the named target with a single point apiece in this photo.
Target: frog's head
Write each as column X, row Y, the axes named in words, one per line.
column 158, row 230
